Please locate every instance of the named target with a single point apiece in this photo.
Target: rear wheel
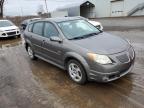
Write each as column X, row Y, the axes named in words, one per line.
column 31, row 53
column 76, row 72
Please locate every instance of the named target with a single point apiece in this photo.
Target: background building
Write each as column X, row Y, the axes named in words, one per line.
column 84, row 8
column 105, row 8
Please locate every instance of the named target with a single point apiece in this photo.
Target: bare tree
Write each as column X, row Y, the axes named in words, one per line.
column 1, row 7
column 40, row 10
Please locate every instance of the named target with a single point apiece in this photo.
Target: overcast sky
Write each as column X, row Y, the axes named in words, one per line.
column 30, row 7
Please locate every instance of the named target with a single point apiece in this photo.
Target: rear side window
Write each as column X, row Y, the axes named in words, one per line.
column 50, row 30
column 38, row 28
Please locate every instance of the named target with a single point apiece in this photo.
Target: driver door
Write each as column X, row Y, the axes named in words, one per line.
column 53, row 50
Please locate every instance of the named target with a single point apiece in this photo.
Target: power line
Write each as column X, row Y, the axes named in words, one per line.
column 70, row 1
column 62, row 1
column 58, row 0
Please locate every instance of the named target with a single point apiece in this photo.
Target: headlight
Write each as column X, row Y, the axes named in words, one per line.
column 102, row 59
column 1, row 31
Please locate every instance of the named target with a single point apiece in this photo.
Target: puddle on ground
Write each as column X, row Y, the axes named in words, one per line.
column 93, row 94
column 126, row 92
column 9, row 42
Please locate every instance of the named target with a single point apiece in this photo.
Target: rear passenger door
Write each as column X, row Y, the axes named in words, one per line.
column 53, row 49
column 37, row 38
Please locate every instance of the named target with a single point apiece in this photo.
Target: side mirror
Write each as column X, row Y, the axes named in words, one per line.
column 23, row 27
column 56, row 39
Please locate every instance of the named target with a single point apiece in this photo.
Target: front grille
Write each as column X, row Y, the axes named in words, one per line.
column 11, row 33
column 123, row 58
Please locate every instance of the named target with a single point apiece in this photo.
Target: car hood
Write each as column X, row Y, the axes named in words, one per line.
column 8, row 28
column 103, row 43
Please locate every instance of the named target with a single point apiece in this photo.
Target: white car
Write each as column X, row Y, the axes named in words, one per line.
column 96, row 24
column 8, row 29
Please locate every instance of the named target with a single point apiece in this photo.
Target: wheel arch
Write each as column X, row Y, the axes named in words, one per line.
column 27, row 43
column 79, row 58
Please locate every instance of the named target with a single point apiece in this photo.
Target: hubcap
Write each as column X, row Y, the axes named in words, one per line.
column 75, row 72
column 30, row 52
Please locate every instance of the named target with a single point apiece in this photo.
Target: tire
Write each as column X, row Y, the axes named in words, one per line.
column 15, row 37
column 76, row 72
column 18, row 36
column 31, row 53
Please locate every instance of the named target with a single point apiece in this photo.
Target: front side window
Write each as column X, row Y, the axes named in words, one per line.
column 77, row 28
column 50, row 30
column 30, row 27
column 38, row 28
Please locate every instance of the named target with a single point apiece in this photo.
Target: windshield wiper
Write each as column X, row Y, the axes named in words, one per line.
column 89, row 35
column 75, row 38
column 84, row 36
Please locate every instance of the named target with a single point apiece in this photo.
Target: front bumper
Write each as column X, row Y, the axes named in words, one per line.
column 112, row 72
column 108, row 77
column 10, row 33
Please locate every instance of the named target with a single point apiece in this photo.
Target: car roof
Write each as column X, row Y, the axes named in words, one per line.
column 30, row 20
column 60, row 19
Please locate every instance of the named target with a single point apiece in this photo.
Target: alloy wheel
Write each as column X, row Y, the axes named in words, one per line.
column 75, row 72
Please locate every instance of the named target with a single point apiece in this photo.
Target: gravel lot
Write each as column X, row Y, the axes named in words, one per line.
column 37, row 84
column 122, row 23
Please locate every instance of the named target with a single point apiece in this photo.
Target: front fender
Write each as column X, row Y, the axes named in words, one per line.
column 79, row 58
column 28, row 42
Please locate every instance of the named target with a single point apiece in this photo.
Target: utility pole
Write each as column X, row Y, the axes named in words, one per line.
column 1, row 7
column 46, row 6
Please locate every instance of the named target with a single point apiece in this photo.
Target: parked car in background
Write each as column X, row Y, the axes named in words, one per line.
column 24, row 24
column 8, row 29
column 96, row 24
column 75, row 45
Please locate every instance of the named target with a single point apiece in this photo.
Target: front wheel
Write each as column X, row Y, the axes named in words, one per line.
column 19, row 36
column 76, row 72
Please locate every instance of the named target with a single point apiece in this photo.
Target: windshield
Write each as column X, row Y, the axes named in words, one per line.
column 5, row 23
column 77, row 29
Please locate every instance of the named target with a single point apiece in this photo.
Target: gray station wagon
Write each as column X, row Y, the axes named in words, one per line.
column 75, row 45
